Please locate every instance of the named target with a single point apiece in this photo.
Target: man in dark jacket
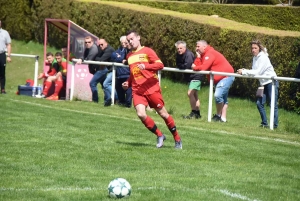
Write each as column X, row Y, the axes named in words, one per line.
column 105, row 55
column 90, row 53
column 184, row 60
column 122, row 73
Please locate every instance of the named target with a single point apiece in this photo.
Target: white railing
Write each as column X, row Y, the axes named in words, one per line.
column 36, row 66
column 211, row 83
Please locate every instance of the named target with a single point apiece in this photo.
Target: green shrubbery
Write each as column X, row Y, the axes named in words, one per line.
column 161, row 32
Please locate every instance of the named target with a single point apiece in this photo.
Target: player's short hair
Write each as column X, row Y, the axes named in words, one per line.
column 132, row 31
column 58, row 54
column 49, row 54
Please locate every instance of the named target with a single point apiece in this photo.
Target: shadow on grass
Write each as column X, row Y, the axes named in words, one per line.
column 135, row 144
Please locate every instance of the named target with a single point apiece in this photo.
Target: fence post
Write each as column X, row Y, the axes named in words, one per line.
column 211, row 91
column 159, row 76
column 113, row 84
column 272, row 104
column 72, row 80
column 36, row 69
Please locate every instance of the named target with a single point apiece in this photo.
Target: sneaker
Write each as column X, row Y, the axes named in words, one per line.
column 223, row 121
column 52, row 97
column 160, row 141
column 178, row 144
column 192, row 115
column 216, row 118
column 264, row 126
column 40, row 96
column 107, row 103
column 3, row 91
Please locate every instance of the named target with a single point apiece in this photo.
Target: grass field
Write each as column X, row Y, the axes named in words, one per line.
column 62, row 150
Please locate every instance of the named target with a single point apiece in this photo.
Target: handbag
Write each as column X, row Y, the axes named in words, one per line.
column 260, row 92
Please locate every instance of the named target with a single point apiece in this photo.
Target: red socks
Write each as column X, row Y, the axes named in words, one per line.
column 171, row 125
column 149, row 123
column 58, row 87
column 47, row 87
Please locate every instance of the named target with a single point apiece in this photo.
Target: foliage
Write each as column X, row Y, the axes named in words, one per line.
column 16, row 18
column 287, row 18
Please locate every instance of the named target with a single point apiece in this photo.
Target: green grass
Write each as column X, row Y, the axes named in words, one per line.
column 62, row 150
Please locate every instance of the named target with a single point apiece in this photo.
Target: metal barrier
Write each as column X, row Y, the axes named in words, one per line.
column 36, row 66
column 211, row 83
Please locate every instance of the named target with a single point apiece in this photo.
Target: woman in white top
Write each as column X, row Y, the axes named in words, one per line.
column 262, row 66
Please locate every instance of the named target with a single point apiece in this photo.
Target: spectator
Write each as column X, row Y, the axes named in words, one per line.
column 99, row 73
column 262, row 66
column 144, row 64
column 184, row 60
column 107, row 50
column 211, row 60
column 5, row 45
column 122, row 73
column 64, row 51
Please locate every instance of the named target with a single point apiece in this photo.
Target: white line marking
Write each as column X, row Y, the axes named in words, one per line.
column 195, row 128
column 223, row 191
column 236, row 195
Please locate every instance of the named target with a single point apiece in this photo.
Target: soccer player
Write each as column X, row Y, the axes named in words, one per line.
column 60, row 76
column 144, row 64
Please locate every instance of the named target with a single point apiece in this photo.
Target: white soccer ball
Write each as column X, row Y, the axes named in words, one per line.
column 119, row 188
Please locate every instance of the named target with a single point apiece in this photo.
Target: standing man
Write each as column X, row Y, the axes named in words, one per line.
column 122, row 73
column 184, row 60
column 212, row 60
column 144, row 64
column 105, row 55
column 90, row 53
column 5, row 45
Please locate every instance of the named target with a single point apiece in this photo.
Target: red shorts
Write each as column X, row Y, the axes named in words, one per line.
column 154, row 100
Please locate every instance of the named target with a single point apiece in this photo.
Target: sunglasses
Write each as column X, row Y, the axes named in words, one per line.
column 86, row 42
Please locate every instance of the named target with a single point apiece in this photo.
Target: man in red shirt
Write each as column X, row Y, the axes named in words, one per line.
column 208, row 59
column 57, row 74
column 144, row 64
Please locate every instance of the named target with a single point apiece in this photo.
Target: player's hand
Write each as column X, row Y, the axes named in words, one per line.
column 141, row 66
column 125, row 85
column 41, row 75
column 8, row 59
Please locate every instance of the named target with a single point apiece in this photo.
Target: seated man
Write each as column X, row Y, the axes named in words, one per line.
column 50, row 75
column 58, row 75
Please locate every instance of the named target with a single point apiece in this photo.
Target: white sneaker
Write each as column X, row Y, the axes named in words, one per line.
column 40, row 96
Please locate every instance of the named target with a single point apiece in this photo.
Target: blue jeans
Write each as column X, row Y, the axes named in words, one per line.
column 98, row 77
column 107, row 89
column 261, row 102
column 125, row 96
column 222, row 89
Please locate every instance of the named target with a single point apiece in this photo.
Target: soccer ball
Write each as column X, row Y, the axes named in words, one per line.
column 119, row 188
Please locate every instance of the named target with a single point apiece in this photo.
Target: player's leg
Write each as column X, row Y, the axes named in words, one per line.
column 140, row 103
column 156, row 101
